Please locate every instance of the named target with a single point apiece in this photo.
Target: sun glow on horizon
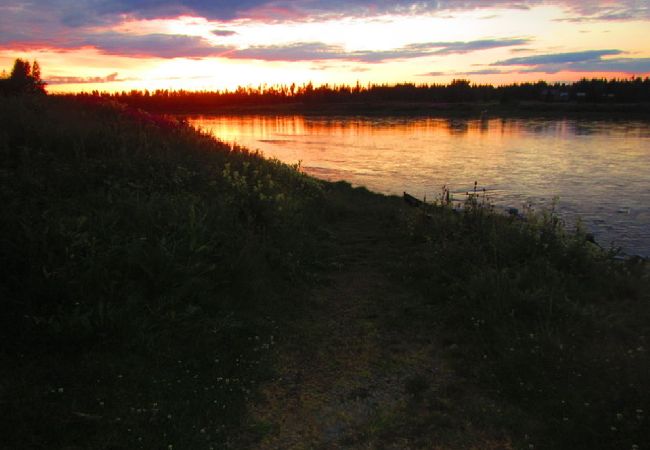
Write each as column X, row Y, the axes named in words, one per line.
column 491, row 46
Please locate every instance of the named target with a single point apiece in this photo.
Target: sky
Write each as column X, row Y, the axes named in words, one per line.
column 114, row 45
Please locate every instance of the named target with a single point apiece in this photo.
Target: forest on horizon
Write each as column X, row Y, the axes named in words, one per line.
column 632, row 90
column 26, row 78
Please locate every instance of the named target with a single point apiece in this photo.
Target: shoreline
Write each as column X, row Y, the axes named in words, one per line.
column 506, row 199
column 514, row 213
column 622, row 111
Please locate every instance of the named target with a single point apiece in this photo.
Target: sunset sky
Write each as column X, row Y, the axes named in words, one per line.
column 216, row 44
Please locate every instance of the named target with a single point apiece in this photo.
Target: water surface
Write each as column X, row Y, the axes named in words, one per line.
column 599, row 170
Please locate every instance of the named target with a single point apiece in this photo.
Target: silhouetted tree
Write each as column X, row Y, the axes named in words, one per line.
column 25, row 78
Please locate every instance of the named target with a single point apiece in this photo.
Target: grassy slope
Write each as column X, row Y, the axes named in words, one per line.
column 143, row 268
column 438, row 329
column 150, row 271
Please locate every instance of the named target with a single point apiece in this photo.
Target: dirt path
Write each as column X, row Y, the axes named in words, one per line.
column 358, row 375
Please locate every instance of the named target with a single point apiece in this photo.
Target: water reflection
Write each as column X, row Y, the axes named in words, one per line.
column 600, row 170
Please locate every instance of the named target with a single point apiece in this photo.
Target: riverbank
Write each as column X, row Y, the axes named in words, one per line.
column 486, row 110
column 614, row 111
column 573, row 164
column 475, row 110
column 166, row 289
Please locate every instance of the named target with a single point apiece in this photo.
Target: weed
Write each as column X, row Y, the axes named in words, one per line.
column 541, row 316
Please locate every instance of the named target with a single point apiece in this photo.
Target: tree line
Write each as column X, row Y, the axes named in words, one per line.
column 597, row 90
column 25, row 78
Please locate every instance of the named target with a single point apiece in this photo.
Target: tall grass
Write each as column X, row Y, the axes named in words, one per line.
column 144, row 265
column 148, row 270
column 540, row 317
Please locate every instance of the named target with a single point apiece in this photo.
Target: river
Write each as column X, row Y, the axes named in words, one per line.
column 599, row 171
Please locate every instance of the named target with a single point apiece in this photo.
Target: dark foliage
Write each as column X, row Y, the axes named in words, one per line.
column 144, row 265
column 633, row 90
column 25, row 78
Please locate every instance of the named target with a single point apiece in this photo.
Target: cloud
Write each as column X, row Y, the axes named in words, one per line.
column 449, row 48
column 469, row 73
column 65, row 24
column 299, row 51
column 121, row 44
column 318, row 51
column 587, row 61
column 587, row 9
column 224, row 32
column 557, row 58
column 601, row 11
column 98, row 11
column 113, row 77
column 40, row 19
column 379, row 56
column 433, row 74
column 634, row 66
column 338, row 66
column 520, row 50
column 153, row 45
column 483, row 72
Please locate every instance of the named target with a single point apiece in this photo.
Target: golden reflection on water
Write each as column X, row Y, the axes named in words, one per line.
column 599, row 170
column 394, row 154
column 361, row 151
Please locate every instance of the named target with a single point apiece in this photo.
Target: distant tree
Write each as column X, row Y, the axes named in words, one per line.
column 22, row 69
column 25, row 78
column 36, row 73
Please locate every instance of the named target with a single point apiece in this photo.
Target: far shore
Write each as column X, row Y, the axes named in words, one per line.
column 605, row 111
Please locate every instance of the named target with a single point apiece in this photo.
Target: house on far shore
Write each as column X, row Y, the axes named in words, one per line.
column 554, row 95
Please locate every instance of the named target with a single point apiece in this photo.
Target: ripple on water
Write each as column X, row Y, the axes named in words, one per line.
column 598, row 169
